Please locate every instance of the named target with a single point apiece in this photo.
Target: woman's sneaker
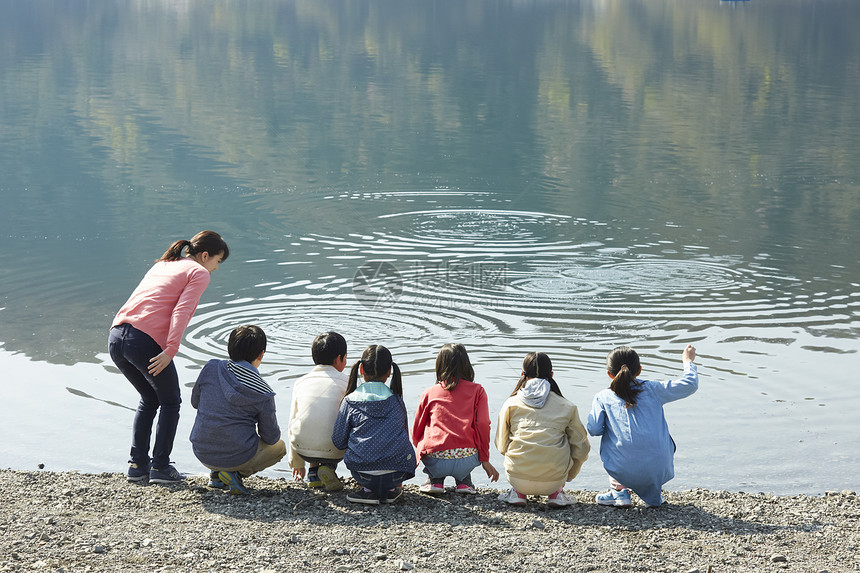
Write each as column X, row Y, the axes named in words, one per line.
column 329, row 479
column 137, row 472
column 560, row 499
column 513, row 497
column 167, row 475
column 432, row 487
column 234, row 482
column 614, row 498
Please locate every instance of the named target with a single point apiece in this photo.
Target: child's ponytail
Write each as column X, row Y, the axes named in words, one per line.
column 352, row 384
column 623, row 365
column 537, row 365
column 396, row 382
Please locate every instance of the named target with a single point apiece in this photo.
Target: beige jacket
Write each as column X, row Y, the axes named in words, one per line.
column 313, row 410
column 541, row 443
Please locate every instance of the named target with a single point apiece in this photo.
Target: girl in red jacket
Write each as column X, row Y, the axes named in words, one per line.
column 451, row 431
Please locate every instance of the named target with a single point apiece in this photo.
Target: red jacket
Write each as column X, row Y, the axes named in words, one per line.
column 447, row 420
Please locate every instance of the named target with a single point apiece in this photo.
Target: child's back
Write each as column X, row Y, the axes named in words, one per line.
column 636, row 448
column 313, row 410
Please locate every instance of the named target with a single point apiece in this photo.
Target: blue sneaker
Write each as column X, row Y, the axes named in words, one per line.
column 137, row 472
column 215, row 481
column 234, row 482
column 614, row 498
column 167, row 475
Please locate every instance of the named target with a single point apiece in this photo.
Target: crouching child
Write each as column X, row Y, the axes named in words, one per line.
column 236, row 430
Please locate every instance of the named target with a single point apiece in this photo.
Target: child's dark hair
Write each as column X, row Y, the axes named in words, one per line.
column 623, row 365
column 246, row 343
column 537, row 365
column 328, row 346
column 376, row 360
column 453, row 365
column 203, row 242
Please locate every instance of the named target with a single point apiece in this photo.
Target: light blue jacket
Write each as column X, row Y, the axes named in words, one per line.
column 636, row 447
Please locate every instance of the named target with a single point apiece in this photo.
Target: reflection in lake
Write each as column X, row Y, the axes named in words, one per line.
column 561, row 176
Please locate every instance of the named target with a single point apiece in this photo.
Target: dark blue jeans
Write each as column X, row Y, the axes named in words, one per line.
column 130, row 349
column 381, row 484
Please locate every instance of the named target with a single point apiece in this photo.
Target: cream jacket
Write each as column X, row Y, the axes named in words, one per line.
column 541, row 443
column 313, row 410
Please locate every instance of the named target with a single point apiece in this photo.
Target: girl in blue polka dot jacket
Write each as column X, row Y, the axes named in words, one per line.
column 372, row 427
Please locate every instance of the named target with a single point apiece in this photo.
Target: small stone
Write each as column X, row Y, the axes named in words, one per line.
column 406, row 566
column 538, row 524
column 48, row 521
column 380, row 556
column 293, row 539
column 693, row 570
column 778, row 558
column 848, row 492
column 99, row 549
column 147, row 542
column 44, row 537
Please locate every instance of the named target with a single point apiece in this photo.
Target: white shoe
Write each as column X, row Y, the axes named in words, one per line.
column 561, row 499
column 513, row 497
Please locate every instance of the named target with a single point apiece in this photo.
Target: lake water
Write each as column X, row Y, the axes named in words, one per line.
column 512, row 175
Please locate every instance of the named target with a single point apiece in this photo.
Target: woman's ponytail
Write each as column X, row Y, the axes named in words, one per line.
column 174, row 252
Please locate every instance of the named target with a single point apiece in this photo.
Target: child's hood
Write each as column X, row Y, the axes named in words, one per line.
column 236, row 393
column 534, row 392
column 372, row 399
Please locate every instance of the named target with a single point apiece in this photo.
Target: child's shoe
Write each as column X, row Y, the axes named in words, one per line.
column 234, row 482
column 137, row 472
column 560, row 499
column 614, row 498
column 329, row 479
column 466, row 486
column 314, row 480
column 363, row 495
column 393, row 495
column 433, row 486
column 215, row 481
column 662, row 501
column 513, row 497
column 167, row 475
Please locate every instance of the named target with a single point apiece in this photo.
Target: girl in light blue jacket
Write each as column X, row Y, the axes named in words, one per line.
column 636, row 448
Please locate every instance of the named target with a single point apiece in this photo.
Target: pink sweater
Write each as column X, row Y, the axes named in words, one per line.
column 451, row 420
column 164, row 302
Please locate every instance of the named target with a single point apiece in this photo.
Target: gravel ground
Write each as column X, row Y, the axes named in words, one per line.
column 83, row 522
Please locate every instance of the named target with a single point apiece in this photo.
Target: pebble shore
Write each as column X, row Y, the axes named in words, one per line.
column 67, row 521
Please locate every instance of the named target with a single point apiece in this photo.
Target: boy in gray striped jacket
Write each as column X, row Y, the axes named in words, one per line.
column 236, row 431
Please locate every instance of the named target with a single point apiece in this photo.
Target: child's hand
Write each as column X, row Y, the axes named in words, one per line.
column 298, row 474
column 492, row 473
column 689, row 354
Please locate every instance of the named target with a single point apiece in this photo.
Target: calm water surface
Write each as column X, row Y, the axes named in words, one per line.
column 515, row 176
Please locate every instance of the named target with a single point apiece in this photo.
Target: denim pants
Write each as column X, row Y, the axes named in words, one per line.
column 381, row 484
column 131, row 350
column 440, row 468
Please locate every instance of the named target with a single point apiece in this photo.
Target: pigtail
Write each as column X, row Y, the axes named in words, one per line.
column 553, row 385
column 174, row 252
column 352, row 384
column 396, row 382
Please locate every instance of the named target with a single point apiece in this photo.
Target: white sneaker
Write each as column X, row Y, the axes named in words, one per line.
column 561, row 499
column 513, row 497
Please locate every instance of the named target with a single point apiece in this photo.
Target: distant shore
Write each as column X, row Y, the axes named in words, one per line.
column 70, row 521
